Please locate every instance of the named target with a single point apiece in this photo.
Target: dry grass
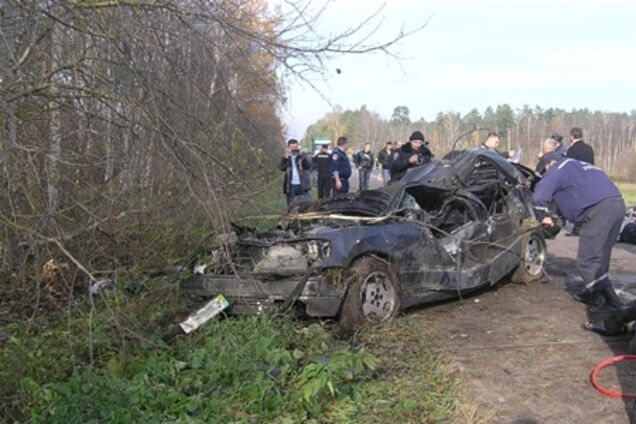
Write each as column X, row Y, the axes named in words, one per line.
column 629, row 193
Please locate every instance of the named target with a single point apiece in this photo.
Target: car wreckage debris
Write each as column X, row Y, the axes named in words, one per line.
column 197, row 319
column 448, row 227
column 204, row 314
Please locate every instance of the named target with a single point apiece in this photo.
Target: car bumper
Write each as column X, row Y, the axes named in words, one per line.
column 249, row 295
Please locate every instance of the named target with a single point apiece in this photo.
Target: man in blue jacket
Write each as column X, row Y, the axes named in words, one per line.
column 340, row 167
column 585, row 196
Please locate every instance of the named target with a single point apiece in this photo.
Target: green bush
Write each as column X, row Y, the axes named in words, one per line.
column 108, row 364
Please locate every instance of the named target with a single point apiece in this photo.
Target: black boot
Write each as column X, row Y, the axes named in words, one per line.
column 611, row 298
column 589, row 297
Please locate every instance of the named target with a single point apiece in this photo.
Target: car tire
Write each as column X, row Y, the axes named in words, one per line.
column 373, row 294
column 534, row 255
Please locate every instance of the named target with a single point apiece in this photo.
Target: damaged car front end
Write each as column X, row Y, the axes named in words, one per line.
column 446, row 228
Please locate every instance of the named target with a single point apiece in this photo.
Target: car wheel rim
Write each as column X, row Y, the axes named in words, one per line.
column 378, row 296
column 534, row 257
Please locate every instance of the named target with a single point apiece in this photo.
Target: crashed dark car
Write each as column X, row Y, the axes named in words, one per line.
column 447, row 228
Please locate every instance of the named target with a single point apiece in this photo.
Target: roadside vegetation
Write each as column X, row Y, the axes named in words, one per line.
column 81, row 359
column 103, row 360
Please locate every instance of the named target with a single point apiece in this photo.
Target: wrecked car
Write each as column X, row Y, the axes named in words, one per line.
column 445, row 229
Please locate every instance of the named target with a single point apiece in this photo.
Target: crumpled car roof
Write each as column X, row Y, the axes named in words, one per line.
column 447, row 172
column 453, row 172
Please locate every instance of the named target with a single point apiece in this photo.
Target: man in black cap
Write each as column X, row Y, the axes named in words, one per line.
column 412, row 154
column 296, row 169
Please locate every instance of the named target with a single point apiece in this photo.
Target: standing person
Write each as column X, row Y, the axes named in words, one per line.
column 322, row 164
column 364, row 162
column 410, row 155
column 549, row 154
column 492, row 143
column 560, row 147
column 340, row 167
column 579, row 149
column 385, row 158
column 296, row 168
column 585, row 196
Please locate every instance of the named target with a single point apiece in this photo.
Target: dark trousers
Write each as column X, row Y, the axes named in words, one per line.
column 364, row 175
column 599, row 229
column 324, row 186
column 294, row 192
column 345, row 187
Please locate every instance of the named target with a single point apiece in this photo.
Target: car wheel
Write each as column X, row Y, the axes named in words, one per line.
column 373, row 294
column 534, row 255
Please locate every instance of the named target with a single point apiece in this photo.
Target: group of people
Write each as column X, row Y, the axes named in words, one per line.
column 334, row 169
column 585, row 196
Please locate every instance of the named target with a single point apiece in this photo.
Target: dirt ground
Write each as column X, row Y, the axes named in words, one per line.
column 522, row 353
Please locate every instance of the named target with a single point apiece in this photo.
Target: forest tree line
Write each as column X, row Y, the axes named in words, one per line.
column 117, row 114
column 129, row 125
column 613, row 135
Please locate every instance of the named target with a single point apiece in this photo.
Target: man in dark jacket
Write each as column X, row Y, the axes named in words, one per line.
column 585, row 196
column 322, row 164
column 296, row 168
column 412, row 154
column 364, row 162
column 579, row 149
column 385, row 158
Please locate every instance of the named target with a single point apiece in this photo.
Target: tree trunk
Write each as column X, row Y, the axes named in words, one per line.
column 54, row 151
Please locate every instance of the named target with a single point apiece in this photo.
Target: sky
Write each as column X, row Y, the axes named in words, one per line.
column 563, row 53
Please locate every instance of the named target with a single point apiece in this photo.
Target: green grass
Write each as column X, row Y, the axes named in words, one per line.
column 111, row 365
column 629, row 193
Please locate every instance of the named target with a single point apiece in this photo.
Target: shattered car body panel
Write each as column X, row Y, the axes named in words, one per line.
column 446, row 228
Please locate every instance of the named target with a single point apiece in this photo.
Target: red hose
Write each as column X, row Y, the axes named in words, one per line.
column 616, row 394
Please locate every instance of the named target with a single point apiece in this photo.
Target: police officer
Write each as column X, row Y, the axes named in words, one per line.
column 585, row 196
column 322, row 164
column 411, row 154
column 340, row 167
